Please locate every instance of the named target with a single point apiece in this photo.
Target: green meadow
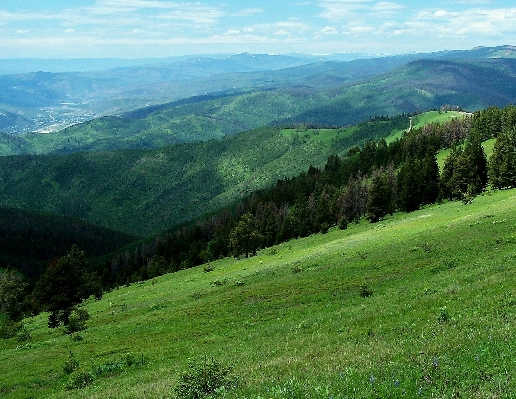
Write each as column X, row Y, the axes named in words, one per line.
column 420, row 305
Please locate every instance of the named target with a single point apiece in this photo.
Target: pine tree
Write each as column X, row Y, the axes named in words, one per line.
column 409, row 185
column 502, row 165
column 429, row 179
column 475, row 161
column 379, row 196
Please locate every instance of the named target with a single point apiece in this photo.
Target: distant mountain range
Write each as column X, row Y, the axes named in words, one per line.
column 50, row 101
column 322, row 94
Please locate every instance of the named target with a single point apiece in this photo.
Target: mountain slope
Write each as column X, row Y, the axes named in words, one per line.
column 294, row 323
column 420, row 85
column 30, row 240
column 143, row 192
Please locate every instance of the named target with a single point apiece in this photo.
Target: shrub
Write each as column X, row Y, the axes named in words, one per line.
column 365, row 291
column 133, row 359
column 343, row 223
column 76, row 337
column 9, row 328
column 444, row 316
column 204, row 377
column 297, row 269
column 112, row 367
column 77, row 321
column 71, row 364
column 79, row 380
column 23, row 335
column 208, row 268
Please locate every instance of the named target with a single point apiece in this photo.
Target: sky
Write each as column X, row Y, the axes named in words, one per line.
column 163, row 28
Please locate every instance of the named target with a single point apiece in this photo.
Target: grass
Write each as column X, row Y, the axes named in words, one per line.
column 439, row 323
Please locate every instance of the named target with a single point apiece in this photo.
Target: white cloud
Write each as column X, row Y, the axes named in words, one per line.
column 247, row 12
column 328, row 31
column 282, row 33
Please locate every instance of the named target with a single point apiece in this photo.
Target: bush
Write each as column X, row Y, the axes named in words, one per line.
column 343, row 223
column 79, row 380
column 77, row 321
column 208, row 268
column 9, row 328
column 204, row 378
column 23, row 334
column 365, row 291
column 71, row 364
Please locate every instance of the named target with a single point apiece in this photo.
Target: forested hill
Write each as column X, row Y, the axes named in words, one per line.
column 370, row 182
column 147, row 191
column 30, row 240
column 420, row 85
column 417, row 86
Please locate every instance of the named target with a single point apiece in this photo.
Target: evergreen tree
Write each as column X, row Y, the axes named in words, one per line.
column 475, row 166
column 353, row 199
column 448, row 176
column 409, row 185
column 379, row 196
column 64, row 285
column 429, row 184
column 502, row 165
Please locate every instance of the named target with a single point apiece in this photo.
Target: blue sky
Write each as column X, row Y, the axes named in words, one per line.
column 162, row 28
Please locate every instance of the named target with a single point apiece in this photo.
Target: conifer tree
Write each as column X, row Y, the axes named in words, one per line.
column 379, row 196
column 429, row 179
column 409, row 185
column 65, row 284
column 502, row 165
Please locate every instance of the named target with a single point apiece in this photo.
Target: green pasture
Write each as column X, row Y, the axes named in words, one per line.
column 440, row 322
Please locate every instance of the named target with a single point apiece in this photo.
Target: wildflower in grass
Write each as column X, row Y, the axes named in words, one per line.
column 396, row 383
column 435, row 362
column 371, row 379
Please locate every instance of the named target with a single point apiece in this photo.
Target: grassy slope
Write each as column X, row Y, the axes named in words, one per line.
column 487, row 145
column 426, row 118
column 441, row 320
